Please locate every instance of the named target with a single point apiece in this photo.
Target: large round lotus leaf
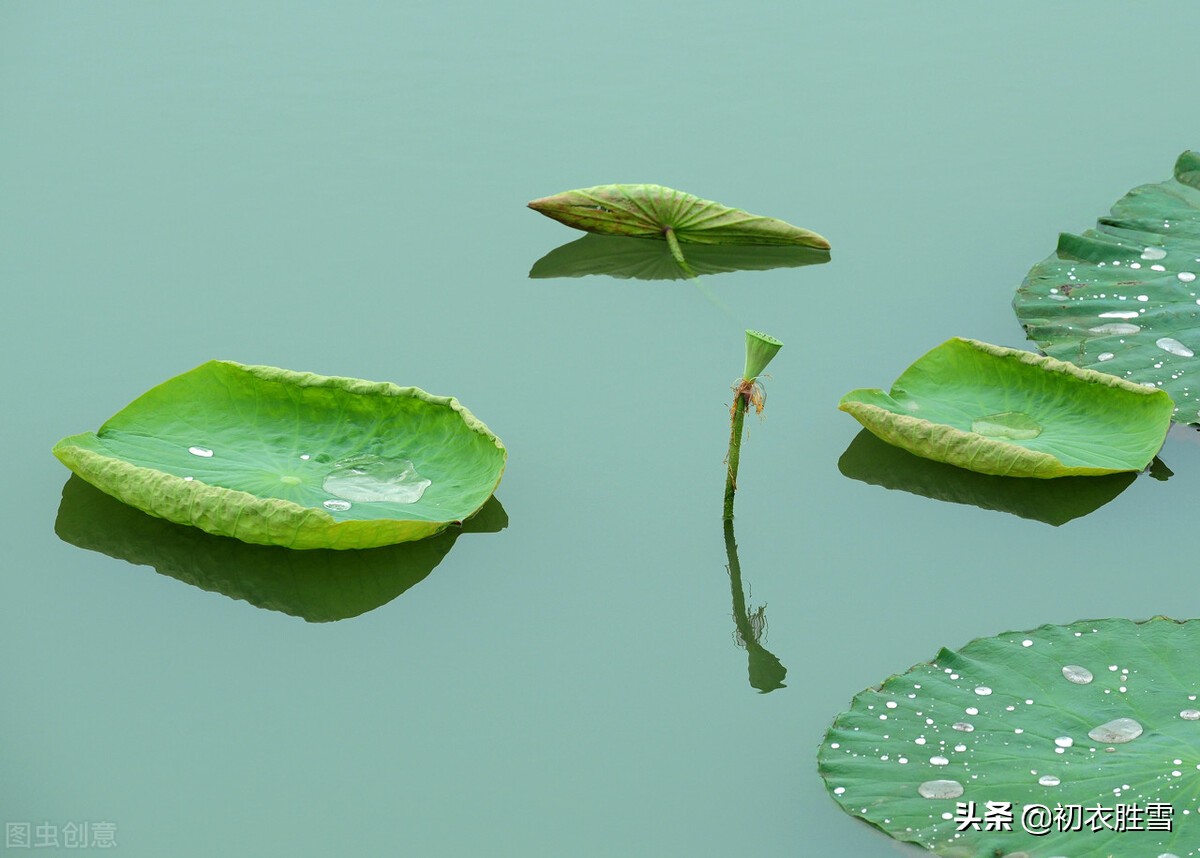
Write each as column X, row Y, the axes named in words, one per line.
column 1013, row 413
column 1123, row 297
column 275, row 457
column 1093, row 726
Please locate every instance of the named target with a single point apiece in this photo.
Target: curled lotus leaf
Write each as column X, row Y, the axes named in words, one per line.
column 1124, row 297
column 1012, row 413
column 1090, row 715
column 276, row 457
column 652, row 211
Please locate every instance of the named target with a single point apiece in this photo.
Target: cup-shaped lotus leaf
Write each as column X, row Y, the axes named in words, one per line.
column 649, row 211
column 1013, row 413
column 1093, row 714
column 275, row 457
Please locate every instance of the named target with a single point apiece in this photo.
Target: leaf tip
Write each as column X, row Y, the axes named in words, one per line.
column 819, row 241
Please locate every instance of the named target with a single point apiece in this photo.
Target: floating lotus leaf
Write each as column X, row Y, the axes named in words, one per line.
column 1054, row 502
column 652, row 211
column 1123, row 297
column 275, row 457
column 622, row 257
column 319, row 585
column 1093, row 715
column 1012, row 413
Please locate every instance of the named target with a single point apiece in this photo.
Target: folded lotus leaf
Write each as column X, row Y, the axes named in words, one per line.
column 1011, row 413
column 1059, row 726
column 650, row 211
column 275, row 457
column 1123, row 297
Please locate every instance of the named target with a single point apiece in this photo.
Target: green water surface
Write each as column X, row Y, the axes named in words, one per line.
column 340, row 188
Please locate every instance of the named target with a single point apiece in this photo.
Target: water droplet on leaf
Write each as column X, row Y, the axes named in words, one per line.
column 1116, row 732
column 1078, row 675
column 1169, row 344
column 1012, row 425
column 367, row 478
column 940, row 789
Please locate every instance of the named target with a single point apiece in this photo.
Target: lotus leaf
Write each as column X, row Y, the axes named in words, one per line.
column 276, row 457
column 652, row 211
column 1094, row 714
column 1123, row 297
column 1012, row 413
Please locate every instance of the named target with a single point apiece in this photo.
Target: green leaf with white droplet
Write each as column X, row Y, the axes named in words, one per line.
column 652, row 211
column 1095, row 713
column 1012, row 413
column 1124, row 298
column 275, row 457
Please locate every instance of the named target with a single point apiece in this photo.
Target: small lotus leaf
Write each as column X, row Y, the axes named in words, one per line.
column 1124, row 297
column 276, row 457
column 1012, row 413
column 1096, row 714
column 649, row 211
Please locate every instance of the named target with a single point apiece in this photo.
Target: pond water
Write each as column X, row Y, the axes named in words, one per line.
column 340, row 188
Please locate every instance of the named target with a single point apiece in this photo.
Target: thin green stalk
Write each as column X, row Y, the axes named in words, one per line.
column 735, row 450
column 677, row 252
column 704, row 289
column 760, row 349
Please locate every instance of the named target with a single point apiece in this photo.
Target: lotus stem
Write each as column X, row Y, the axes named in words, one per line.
column 760, row 349
column 677, row 252
column 737, row 421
